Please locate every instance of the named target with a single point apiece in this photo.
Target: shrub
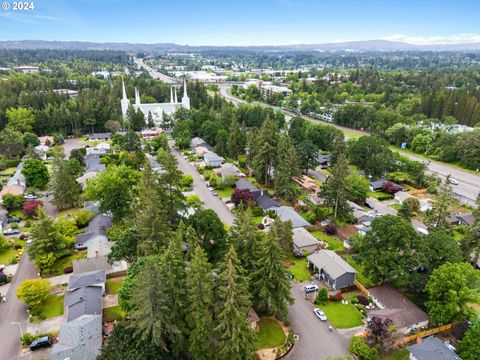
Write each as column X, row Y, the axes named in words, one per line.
column 310, row 216
column 339, row 296
column 83, row 217
column 322, row 296
column 242, row 196
column 33, row 292
column 4, row 243
column 13, row 202
column 14, row 225
column 391, row 188
column 28, row 223
column 67, row 270
column 359, row 348
column 30, row 208
column 363, row 300
column 359, row 306
column 18, row 246
column 330, row 229
column 186, row 181
column 257, row 211
column 383, row 197
column 261, row 226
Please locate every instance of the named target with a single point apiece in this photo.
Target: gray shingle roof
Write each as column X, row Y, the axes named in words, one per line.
column 80, row 339
column 378, row 183
column 266, row 202
column 86, row 300
column 211, row 157
column 245, row 184
column 432, row 349
column 331, row 263
column 302, row 238
column 86, row 279
column 196, row 141
column 92, row 163
column 286, row 213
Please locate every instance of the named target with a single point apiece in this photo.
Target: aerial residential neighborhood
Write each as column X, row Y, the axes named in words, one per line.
column 266, row 180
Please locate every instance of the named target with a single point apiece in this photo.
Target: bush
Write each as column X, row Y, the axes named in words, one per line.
column 242, row 196
column 27, row 338
column 18, row 246
column 363, row 300
column 359, row 348
column 339, row 296
column 391, row 188
column 257, row 211
column 383, row 197
column 83, row 217
column 359, row 306
column 30, row 208
column 67, row 270
column 13, row 202
column 261, row 226
column 310, row 216
column 186, row 181
column 14, row 225
column 330, row 228
column 28, row 223
column 322, row 296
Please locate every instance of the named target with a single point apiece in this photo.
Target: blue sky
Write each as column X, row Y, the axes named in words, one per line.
column 245, row 22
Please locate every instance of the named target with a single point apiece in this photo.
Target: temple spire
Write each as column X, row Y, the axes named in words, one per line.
column 171, row 94
column 137, row 97
column 185, row 98
column 124, row 92
column 175, row 92
column 185, row 87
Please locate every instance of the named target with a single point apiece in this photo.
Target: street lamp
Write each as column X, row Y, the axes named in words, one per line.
column 19, row 326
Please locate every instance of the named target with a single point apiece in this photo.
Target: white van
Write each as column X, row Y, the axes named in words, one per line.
column 310, row 288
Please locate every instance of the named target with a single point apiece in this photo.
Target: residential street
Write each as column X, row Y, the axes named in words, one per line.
column 14, row 310
column 469, row 184
column 200, row 188
column 316, row 341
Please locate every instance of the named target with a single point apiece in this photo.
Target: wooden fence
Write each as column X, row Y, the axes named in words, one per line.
column 362, row 288
column 425, row 333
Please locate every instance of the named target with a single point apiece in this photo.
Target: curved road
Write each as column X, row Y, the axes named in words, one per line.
column 469, row 184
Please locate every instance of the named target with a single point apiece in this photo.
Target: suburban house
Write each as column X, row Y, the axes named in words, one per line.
column 229, row 169
column 80, row 339
column 91, row 264
column 304, row 241
column 287, row 213
column 212, row 159
column 242, row 184
column 332, row 269
column 86, row 300
column 100, row 136
column 46, row 140
column 95, row 235
column 41, row 151
column 201, row 150
column 155, row 165
column 196, row 141
column 465, row 219
column 393, row 305
column 377, row 184
column 401, row 196
column 16, row 183
column 306, row 182
column 323, row 159
column 99, row 149
column 92, row 168
column 315, row 199
column 263, row 199
column 149, row 133
column 90, row 278
column 432, row 348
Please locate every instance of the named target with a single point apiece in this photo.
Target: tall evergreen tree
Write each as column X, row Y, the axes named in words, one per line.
column 200, row 285
column 336, row 189
column 286, row 168
column 245, row 237
column 236, row 140
column 270, row 279
column 282, row 231
column 233, row 334
column 65, row 188
column 441, row 208
column 265, row 147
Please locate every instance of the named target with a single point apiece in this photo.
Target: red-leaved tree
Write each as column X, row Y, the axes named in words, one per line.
column 391, row 188
column 242, row 196
column 30, row 208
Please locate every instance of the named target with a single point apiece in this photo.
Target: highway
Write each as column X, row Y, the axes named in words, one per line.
column 154, row 73
column 469, row 184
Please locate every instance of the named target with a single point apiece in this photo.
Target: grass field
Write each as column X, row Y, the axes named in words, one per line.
column 271, row 334
column 113, row 313
column 401, row 354
column 333, row 242
column 342, row 316
column 396, row 206
column 67, row 261
column 298, row 268
column 51, row 307
column 225, row 193
column 113, row 285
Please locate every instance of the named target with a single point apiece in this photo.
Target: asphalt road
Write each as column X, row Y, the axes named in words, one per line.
column 14, row 310
column 200, row 188
column 70, row 144
column 315, row 341
column 155, row 74
column 469, row 184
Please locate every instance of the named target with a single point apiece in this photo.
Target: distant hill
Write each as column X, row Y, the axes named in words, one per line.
column 353, row 46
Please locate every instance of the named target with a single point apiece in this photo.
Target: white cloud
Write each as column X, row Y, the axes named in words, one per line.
column 435, row 40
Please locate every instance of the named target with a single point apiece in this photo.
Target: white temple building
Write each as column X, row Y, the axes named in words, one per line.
column 157, row 110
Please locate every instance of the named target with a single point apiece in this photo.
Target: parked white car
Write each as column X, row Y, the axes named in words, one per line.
column 453, row 181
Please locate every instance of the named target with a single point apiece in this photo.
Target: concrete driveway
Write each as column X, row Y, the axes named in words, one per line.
column 200, row 189
column 315, row 341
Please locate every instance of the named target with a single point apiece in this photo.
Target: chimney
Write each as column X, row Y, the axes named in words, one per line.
column 96, row 253
column 18, row 181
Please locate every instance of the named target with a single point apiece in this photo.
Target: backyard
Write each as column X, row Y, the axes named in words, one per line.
column 298, row 268
column 7, row 256
column 334, row 243
column 60, row 264
column 342, row 316
column 113, row 313
column 365, row 281
column 271, row 334
column 113, row 285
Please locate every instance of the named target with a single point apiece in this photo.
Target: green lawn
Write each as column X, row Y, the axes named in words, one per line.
column 225, row 193
column 342, row 316
column 258, row 219
column 376, row 194
column 334, row 243
column 113, row 285
column 113, row 313
column 51, row 307
column 396, row 206
column 401, row 354
column 271, row 334
column 299, row 268
column 8, row 171
column 7, row 256
column 67, row 261
column 360, row 277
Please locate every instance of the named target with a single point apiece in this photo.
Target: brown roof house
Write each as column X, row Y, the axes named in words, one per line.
column 393, row 305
